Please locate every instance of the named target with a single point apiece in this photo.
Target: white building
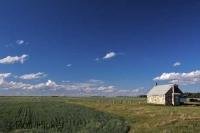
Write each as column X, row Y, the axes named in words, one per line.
column 165, row 95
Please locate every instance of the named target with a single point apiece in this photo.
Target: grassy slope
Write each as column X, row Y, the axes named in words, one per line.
column 148, row 118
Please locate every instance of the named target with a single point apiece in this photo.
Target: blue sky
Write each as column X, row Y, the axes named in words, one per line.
column 120, row 45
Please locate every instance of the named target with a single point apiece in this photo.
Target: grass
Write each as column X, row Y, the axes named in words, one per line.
column 141, row 117
column 147, row 118
column 53, row 114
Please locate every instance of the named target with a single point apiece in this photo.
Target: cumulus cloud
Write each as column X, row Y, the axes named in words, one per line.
column 181, row 78
column 49, row 85
column 176, row 64
column 20, row 42
column 14, row 59
column 109, row 55
column 32, row 76
column 4, row 75
column 89, row 88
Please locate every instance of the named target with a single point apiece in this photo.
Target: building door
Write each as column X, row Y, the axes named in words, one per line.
column 176, row 99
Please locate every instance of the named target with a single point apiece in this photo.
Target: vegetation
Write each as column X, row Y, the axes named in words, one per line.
column 192, row 95
column 53, row 114
column 145, row 118
column 95, row 114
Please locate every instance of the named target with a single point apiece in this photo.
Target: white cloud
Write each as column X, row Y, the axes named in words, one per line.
column 109, row 55
column 88, row 88
column 168, row 76
column 4, row 75
column 49, row 85
column 69, row 65
column 132, row 92
column 66, row 81
column 181, row 78
column 17, row 43
column 20, row 42
column 32, row 76
column 14, row 59
column 96, row 81
column 177, row 64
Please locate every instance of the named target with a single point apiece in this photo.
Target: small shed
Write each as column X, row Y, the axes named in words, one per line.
column 165, row 95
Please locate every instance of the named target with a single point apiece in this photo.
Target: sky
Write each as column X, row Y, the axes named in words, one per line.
column 102, row 47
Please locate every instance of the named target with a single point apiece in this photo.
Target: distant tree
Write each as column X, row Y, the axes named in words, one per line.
column 142, row 96
column 191, row 95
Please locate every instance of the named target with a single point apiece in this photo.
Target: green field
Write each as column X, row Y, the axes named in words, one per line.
column 94, row 114
column 46, row 114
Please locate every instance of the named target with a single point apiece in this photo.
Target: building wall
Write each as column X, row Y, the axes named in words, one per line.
column 156, row 99
column 168, row 97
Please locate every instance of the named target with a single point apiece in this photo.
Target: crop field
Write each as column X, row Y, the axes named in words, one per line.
column 51, row 114
column 95, row 115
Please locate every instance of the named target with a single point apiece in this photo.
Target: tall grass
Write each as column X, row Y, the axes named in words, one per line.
column 147, row 118
column 50, row 114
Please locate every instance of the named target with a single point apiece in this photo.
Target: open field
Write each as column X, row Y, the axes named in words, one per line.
column 46, row 114
column 94, row 114
column 147, row 118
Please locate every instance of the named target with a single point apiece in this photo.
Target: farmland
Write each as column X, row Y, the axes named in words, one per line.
column 144, row 118
column 47, row 114
column 94, row 114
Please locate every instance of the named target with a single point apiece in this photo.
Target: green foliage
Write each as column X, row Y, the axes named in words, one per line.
column 192, row 95
column 53, row 114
